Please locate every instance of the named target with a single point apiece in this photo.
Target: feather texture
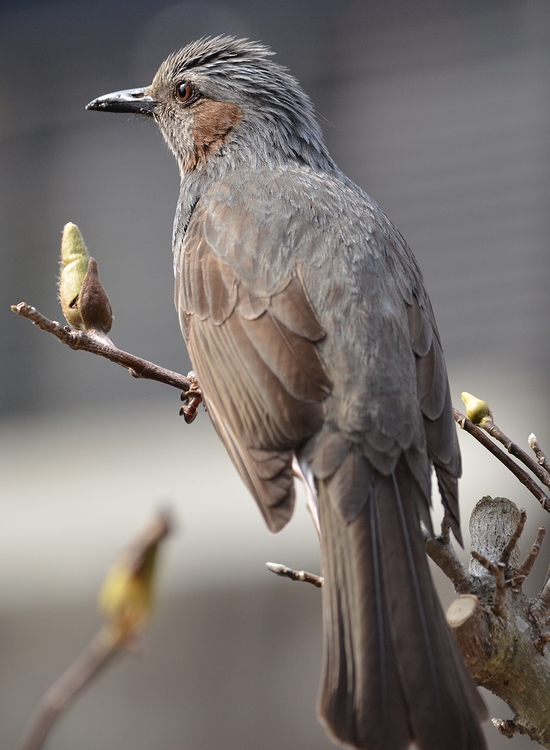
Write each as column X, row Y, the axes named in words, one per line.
column 259, row 368
column 410, row 684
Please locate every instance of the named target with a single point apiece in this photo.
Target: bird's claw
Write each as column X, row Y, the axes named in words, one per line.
column 192, row 397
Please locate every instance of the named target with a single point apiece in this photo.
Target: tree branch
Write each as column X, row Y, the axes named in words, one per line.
column 540, row 456
column 498, row 628
column 128, row 608
column 295, row 575
column 468, row 426
column 536, row 468
column 442, row 552
column 100, row 344
column 100, row 652
column 527, row 565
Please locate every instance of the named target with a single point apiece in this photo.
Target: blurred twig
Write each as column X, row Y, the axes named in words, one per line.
column 96, row 655
column 126, row 603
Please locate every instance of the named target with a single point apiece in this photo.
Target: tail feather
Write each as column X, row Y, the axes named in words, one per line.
column 362, row 701
column 392, row 672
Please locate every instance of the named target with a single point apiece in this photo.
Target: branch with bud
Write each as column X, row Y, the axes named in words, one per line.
column 88, row 312
column 125, row 602
column 499, row 630
column 478, row 422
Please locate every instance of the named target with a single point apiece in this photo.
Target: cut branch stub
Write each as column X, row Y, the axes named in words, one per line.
column 493, row 523
column 469, row 624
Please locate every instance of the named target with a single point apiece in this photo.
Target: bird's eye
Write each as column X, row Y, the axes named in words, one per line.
column 184, row 92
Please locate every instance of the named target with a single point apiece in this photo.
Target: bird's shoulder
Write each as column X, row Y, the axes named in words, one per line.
column 262, row 223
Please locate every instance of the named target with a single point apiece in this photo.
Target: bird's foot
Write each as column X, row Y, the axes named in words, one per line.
column 192, row 397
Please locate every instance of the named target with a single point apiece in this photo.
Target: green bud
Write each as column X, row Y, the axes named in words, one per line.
column 477, row 411
column 126, row 597
column 74, row 265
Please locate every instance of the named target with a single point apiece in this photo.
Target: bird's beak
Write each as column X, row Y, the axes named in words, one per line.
column 133, row 101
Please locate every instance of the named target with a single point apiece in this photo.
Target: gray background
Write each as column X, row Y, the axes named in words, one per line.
column 441, row 111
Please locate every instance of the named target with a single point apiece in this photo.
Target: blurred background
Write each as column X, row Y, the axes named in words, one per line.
column 441, row 111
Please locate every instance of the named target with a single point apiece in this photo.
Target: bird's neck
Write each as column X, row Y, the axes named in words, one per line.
column 191, row 189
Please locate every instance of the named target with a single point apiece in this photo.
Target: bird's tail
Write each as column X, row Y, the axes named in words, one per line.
column 392, row 672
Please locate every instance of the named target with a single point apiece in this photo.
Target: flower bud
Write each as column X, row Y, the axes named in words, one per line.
column 74, row 265
column 126, row 597
column 477, row 411
column 95, row 308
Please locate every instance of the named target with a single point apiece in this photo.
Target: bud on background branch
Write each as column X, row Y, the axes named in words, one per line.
column 127, row 594
column 125, row 602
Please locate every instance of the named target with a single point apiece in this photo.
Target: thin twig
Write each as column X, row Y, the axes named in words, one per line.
column 541, row 457
column 121, row 631
column 514, row 539
column 102, row 345
column 97, row 655
column 527, row 565
column 540, row 609
column 497, row 570
column 295, row 575
column 516, row 582
column 467, row 425
column 492, row 429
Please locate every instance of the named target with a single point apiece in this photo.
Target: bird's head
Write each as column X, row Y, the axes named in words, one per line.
column 225, row 98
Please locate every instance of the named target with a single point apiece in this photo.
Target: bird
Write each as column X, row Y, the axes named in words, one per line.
column 313, row 340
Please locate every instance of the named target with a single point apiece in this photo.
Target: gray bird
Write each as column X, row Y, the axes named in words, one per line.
column 312, row 337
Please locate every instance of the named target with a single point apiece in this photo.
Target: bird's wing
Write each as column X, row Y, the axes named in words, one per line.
column 252, row 343
column 437, row 410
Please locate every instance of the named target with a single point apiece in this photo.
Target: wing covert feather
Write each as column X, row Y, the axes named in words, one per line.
column 436, row 406
column 256, row 359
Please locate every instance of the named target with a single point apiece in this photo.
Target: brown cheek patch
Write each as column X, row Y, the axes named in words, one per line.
column 213, row 123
